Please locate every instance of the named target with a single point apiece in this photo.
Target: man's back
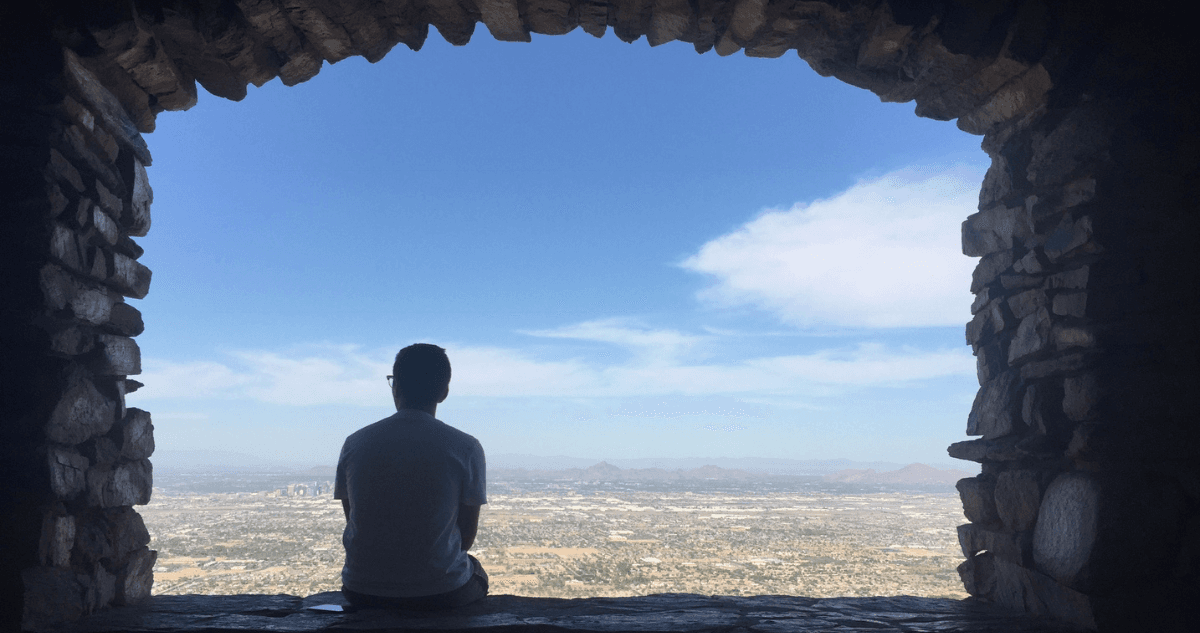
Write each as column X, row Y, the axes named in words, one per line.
column 405, row 478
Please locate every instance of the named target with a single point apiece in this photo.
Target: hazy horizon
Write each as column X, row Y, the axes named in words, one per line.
column 627, row 252
column 216, row 459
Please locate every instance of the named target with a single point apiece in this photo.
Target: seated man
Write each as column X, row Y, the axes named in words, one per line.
column 411, row 487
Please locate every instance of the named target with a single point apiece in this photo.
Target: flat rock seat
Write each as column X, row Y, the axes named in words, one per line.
column 662, row 612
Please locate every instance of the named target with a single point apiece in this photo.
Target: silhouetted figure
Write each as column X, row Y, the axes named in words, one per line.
column 411, row 487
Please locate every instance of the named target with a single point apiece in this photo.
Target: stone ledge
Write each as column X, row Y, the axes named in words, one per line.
column 647, row 614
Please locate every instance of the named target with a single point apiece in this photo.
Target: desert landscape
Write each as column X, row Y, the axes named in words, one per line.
column 561, row 538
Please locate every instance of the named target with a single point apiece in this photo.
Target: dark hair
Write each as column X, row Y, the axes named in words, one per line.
column 421, row 372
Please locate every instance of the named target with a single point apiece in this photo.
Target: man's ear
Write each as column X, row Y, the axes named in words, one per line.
column 445, row 394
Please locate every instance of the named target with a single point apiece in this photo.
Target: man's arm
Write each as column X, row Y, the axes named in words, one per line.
column 346, row 508
column 468, row 524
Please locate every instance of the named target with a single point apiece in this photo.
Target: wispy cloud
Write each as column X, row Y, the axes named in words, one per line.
column 668, row 407
column 350, row 376
column 884, row 253
column 649, row 344
column 336, row 374
column 500, row 372
column 315, row 374
column 193, row 379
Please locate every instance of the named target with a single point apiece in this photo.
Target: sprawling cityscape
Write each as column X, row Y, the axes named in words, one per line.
column 561, row 538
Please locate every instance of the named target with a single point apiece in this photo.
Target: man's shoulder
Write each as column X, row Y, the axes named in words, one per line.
column 369, row 431
column 458, row 436
column 408, row 426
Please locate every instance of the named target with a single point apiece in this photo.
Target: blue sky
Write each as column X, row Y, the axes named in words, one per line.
column 628, row 252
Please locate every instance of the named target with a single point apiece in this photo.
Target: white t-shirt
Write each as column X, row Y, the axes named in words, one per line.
column 405, row 477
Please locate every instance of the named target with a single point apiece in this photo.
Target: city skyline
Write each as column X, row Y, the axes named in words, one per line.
column 640, row 253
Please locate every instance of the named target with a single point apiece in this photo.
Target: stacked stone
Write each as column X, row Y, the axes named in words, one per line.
column 1033, row 345
column 977, row 65
column 1087, row 504
column 79, row 454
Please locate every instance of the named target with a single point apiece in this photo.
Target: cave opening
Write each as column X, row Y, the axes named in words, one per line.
column 216, row 207
column 1086, row 505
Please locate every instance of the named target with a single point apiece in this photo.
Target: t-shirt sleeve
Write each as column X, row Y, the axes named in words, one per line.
column 339, row 477
column 474, row 491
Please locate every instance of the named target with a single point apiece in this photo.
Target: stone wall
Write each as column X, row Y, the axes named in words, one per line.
column 1086, row 290
column 1084, row 329
column 1087, row 484
column 74, row 174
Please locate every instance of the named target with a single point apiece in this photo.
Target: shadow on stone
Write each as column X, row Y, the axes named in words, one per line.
column 662, row 612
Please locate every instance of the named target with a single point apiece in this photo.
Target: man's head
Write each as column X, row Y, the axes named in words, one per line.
column 421, row 375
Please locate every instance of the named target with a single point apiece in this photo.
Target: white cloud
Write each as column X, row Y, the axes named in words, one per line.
column 884, row 253
column 870, row 364
column 342, row 375
column 674, row 407
column 647, row 343
column 316, row 375
column 195, row 379
column 346, row 375
column 184, row 416
column 495, row 371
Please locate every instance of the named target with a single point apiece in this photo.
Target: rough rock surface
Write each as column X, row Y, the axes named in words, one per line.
column 663, row 612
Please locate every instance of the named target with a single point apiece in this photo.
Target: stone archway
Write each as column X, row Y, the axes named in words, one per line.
column 1088, row 507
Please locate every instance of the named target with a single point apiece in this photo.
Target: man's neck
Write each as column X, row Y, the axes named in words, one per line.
column 430, row 409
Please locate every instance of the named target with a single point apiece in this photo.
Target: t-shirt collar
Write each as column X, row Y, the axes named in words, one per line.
column 414, row 414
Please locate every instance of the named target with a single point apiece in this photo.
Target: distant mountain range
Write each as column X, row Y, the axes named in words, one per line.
column 756, row 465
column 919, row 474
column 520, row 466
column 605, row 471
column 208, row 460
column 910, row 474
